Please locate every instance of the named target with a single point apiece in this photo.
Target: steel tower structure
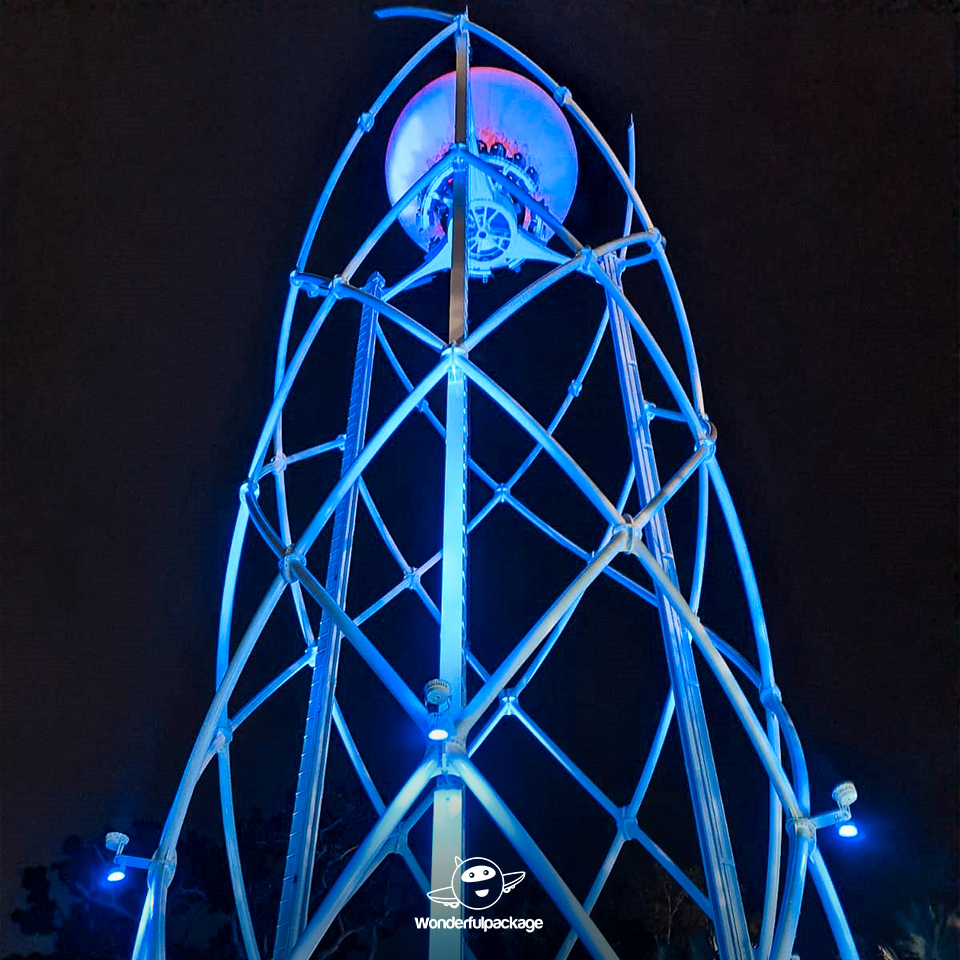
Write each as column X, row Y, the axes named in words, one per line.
column 480, row 195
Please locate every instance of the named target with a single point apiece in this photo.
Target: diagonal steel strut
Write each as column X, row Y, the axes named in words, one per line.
column 301, row 850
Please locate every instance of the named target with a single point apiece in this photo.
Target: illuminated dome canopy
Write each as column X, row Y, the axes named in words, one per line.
column 518, row 128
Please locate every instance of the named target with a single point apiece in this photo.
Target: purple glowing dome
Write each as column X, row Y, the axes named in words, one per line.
column 518, row 128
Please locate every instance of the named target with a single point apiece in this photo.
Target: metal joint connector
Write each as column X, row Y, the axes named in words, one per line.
column 311, row 285
column 278, row 464
column 458, row 150
column 629, row 528
column 336, row 287
column 709, row 441
column 222, row 737
column 169, row 860
column 291, row 556
column 802, row 827
column 588, row 257
column 562, row 95
column 448, row 781
column 249, row 488
column 627, row 824
column 770, row 697
column 394, row 843
column 508, row 698
column 453, row 352
column 365, row 121
column 574, row 389
column 502, row 492
column 166, row 866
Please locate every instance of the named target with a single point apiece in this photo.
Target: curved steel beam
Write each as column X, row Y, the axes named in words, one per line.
column 504, row 313
column 364, row 125
column 728, row 683
column 832, row 908
column 152, row 923
column 423, row 13
column 401, row 319
column 244, row 920
column 694, row 420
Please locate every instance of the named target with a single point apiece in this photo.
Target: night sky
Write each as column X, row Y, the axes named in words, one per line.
column 159, row 165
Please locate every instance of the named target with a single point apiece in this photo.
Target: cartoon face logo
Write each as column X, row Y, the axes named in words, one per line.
column 481, row 883
column 477, row 883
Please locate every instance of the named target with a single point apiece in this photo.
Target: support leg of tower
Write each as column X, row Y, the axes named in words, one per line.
column 730, row 921
column 301, row 850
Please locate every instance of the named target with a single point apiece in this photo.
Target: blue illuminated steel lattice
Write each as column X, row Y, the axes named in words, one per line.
column 473, row 146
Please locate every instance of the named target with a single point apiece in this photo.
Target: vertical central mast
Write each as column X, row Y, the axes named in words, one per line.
column 447, row 944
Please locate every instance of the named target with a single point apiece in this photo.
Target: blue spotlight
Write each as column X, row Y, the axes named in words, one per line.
column 848, row 829
column 116, row 842
column 436, row 697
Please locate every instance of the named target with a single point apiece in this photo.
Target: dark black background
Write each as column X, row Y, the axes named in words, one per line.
column 159, row 163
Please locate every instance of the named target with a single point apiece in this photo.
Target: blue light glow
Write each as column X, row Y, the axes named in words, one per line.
column 116, row 874
column 514, row 118
column 848, row 830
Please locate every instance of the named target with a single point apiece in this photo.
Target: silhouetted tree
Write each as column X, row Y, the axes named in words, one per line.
column 927, row 932
column 92, row 919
